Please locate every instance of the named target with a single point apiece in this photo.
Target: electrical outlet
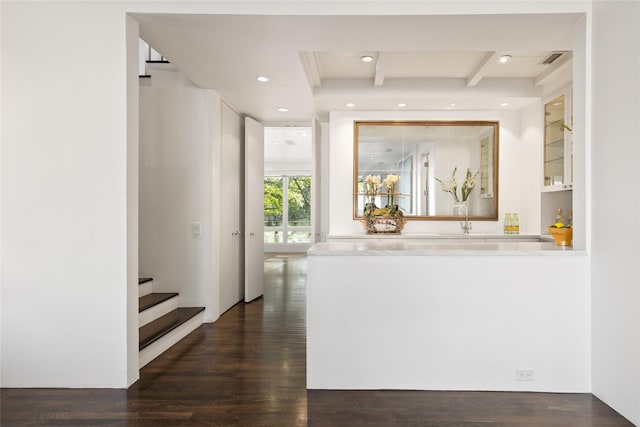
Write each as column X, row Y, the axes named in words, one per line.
column 524, row 375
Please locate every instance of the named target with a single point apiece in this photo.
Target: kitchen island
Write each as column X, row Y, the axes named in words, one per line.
column 447, row 314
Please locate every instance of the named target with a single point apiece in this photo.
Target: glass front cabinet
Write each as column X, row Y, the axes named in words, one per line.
column 558, row 152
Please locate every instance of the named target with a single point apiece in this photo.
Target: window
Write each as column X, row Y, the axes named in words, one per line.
column 287, row 209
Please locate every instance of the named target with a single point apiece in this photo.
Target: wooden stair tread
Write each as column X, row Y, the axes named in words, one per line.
column 152, row 299
column 142, row 280
column 163, row 325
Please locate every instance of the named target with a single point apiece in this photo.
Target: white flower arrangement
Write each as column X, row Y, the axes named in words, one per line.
column 372, row 187
column 390, row 184
column 468, row 184
column 451, row 187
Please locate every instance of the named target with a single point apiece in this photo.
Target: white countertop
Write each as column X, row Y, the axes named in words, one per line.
column 440, row 236
column 438, row 247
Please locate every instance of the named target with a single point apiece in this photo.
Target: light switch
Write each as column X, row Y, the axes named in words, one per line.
column 196, row 228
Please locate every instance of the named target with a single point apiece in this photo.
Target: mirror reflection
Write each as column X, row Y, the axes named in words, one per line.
column 444, row 169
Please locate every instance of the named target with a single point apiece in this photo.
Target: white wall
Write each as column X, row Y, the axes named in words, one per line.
column 431, row 323
column 517, row 169
column 581, row 135
column 616, row 206
column 531, row 166
column 64, row 196
column 133, row 319
column 324, row 186
column 177, row 126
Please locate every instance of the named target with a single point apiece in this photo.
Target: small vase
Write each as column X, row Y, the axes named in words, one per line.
column 460, row 208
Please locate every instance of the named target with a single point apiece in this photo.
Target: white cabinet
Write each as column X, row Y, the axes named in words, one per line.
column 557, row 148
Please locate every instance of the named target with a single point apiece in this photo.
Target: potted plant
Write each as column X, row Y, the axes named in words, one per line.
column 388, row 219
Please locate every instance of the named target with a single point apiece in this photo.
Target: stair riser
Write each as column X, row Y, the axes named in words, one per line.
column 145, row 289
column 159, row 310
column 155, row 349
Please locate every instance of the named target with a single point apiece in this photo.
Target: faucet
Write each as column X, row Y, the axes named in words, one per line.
column 466, row 225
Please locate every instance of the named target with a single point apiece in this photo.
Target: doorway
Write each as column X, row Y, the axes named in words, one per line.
column 287, row 188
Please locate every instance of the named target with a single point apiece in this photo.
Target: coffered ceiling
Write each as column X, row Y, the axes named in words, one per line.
column 314, row 63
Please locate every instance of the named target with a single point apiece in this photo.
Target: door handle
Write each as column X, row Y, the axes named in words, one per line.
column 236, row 233
column 251, row 234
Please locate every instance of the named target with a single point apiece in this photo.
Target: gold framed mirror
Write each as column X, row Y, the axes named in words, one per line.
column 442, row 169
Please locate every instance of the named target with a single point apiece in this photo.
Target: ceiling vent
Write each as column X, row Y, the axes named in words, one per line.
column 550, row 59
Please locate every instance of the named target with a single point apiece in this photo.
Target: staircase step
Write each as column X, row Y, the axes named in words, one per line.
column 161, row 334
column 165, row 324
column 145, row 285
column 149, row 300
column 155, row 305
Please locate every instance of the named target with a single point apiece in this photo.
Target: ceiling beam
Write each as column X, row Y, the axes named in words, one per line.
column 552, row 68
column 311, row 70
column 478, row 73
column 379, row 77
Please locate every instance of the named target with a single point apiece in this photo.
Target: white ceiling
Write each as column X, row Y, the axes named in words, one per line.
column 287, row 145
column 314, row 66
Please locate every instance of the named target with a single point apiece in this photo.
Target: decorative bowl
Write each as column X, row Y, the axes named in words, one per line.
column 562, row 236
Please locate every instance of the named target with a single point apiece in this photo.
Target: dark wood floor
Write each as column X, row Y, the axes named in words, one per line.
column 248, row 369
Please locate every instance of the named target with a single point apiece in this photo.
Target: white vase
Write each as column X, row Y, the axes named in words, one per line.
column 460, row 208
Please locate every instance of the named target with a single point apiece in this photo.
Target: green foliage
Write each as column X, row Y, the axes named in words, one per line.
column 299, row 200
column 272, row 201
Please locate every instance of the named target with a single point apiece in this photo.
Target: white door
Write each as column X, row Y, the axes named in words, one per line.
column 231, row 257
column 253, row 209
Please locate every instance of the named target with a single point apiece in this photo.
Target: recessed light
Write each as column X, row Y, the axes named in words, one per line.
column 402, row 104
column 504, row 59
column 504, row 104
column 366, row 58
column 283, row 110
column 262, row 79
column 452, row 104
column 350, row 104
